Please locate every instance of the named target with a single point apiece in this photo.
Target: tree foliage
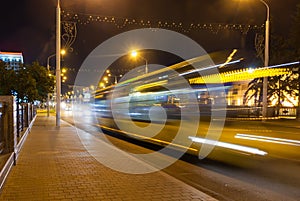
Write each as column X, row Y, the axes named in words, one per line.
column 29, row 83
column 294, row 39
column 6, row 79
column 44, row 83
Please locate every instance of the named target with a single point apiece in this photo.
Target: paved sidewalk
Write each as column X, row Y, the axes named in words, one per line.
column 54, row 165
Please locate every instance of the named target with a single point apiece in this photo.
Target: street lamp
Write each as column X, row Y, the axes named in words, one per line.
column 63, row 71
column 48, row 95
column 266, row 62
column 58, row 78
column 135, row 54
column 115, row 76
column 62, row 52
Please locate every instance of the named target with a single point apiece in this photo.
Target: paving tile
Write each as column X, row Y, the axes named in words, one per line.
column 54, row 165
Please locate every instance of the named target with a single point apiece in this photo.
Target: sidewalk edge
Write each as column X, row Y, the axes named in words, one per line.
column 14, row 155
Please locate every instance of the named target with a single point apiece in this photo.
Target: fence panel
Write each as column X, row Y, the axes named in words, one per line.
column 2, row 138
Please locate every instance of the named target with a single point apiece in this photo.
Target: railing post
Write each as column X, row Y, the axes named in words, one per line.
column 30, row 112
column 17, row 115
column 9, row 124
column 26, row 115
column 2, row 112
column 22, row 116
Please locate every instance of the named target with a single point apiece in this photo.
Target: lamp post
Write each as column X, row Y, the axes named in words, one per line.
column 58, row 78
column 62, row 52
column 116, row 78
column 48, row 95
column 135, row 54
column 266, row 62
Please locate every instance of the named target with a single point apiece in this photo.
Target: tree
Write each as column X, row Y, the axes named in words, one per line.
column 6, row 78
column 254, row 91
column 29, row 83
column 25, row 86
column 255, row 87
column 44, row 82
column 294, row 40
column 283, row 49
column 294, row 43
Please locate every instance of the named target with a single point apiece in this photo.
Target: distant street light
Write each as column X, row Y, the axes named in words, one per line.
column 115, row 76
column 135, row 54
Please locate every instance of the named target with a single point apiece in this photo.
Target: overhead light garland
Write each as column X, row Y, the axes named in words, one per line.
column 121, row 23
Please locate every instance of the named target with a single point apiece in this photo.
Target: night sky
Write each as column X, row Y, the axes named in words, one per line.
column 29, row 25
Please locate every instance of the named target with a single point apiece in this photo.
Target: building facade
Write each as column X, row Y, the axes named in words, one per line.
column 12, row 59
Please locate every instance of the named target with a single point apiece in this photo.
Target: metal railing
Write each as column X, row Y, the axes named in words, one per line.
column 2, row 111
column 14, row 119
column 254, row 112
column 24, row 115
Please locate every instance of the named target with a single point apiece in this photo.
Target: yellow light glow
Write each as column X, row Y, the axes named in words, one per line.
column 239, row 75
column 62, row 52
column 150, row 85
column 134, row 53
column 229, row 58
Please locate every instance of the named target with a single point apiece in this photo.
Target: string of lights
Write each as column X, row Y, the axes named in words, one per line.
column 123, row 70
column 121, row 23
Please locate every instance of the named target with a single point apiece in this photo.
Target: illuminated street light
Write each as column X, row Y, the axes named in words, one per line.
column 102, row 85
column 110, row 75
column 64, row 79
column 62, row 52
column 135, row 54
column 58, row 49
column 64, row 70
column 116, row 78
column 266, row 61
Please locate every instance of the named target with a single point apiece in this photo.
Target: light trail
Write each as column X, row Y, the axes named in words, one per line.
column 210, row 67
column 285, row 64
column 268, row 139
column 228, row 145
